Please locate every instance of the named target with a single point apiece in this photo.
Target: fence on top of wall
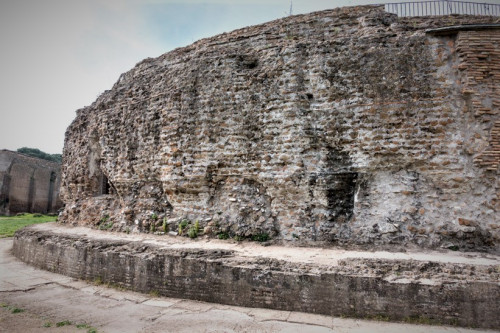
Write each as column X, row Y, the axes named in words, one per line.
column 442, row 7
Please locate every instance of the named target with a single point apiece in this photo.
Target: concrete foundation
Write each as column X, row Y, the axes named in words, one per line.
column 436, row 287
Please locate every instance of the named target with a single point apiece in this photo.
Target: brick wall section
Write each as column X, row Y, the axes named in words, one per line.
column 490, row 158
column 479, row 53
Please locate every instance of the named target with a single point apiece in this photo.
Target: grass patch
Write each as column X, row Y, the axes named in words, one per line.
column 10, row 224
column 98, row 281
column 63, row 323
column 154, row 293
column 421, row 320
column 12, row 309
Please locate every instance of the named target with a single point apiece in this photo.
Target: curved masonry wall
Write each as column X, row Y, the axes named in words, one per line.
column 347, row 126
column 412, row 290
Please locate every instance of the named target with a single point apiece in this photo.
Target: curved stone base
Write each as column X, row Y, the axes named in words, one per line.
column 445, row 288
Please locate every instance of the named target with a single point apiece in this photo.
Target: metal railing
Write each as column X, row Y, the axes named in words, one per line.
column 442, row 7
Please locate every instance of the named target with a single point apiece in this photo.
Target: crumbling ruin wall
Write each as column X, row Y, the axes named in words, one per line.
column 28, row 184
column 346, row 126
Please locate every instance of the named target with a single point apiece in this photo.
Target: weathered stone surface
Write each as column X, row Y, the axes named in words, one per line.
column 28, row 184
column 347, row 126
column 430, row 290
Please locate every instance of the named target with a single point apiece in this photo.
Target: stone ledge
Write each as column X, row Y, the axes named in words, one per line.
column 458, row 293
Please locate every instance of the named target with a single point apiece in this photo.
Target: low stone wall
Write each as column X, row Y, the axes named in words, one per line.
column 465, row 295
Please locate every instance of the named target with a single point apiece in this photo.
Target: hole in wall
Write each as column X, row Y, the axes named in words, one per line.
column 52, row 181
column 247, row 61
column 105, row 186
column 341, row 186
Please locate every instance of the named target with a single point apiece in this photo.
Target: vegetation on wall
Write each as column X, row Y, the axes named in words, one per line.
column 40, row 154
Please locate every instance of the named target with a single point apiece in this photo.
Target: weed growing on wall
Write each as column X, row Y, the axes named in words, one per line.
column 192, row 232
column 165, row 225
column 223, row 235
column 263, row 237
column 106, row 226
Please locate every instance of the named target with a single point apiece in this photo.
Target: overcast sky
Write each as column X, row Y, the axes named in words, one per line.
column 57, row 56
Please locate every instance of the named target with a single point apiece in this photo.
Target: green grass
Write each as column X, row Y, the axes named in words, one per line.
column 83, row 326
column 63, row 323
column 12, row 309
column 154, row 293
column 9, row 224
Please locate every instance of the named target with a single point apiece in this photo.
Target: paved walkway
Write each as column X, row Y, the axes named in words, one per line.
column 47, row 299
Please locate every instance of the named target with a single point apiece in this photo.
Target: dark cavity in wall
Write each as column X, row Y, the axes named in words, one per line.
column 4, row 194
column 340, row 186
column 31, row 193
column 52, row 180
column 246, row 61
column 104, row 185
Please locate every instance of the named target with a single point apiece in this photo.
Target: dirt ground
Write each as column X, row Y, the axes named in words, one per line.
column 30, row 322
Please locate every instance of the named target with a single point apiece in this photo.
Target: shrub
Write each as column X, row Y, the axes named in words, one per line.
column 223, row 235
column 193, row 232
column 263, row 237
column 106, row 226
column 184, row 223
column 165, row 225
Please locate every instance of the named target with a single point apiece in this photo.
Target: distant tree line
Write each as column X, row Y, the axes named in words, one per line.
column 40, row 154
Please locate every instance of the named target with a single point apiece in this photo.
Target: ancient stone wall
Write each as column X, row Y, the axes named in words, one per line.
column 28, row 184
column 427, row 291
column 346, row 126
